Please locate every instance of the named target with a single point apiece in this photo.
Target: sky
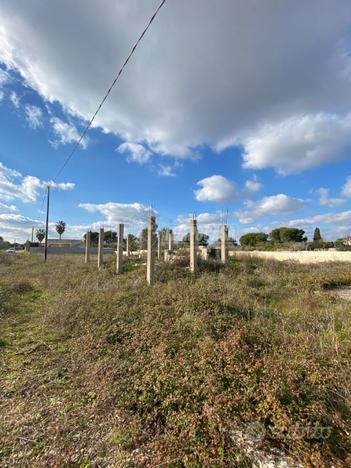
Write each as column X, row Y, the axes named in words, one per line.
column 234, row 111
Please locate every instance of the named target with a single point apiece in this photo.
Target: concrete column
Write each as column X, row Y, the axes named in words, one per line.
column 87, row 246
column 203, row 252
column 170, row 240
column 193, row 245
column 150, row 265
column 119, row 262
column 128, row 245
column 159, row 246
column 101, row 248
column 224, row 243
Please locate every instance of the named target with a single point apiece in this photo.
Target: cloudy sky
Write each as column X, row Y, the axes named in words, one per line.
column 236, row 110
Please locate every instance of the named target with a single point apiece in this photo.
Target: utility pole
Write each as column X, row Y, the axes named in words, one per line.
column 32, row 233
column 47, row 225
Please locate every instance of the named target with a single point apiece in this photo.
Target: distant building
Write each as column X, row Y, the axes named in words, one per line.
column 65, row 243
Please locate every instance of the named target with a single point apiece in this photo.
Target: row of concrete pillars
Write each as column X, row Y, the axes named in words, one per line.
column 151, row 247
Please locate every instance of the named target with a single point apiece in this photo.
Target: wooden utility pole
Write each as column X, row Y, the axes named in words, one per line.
column 47, row 225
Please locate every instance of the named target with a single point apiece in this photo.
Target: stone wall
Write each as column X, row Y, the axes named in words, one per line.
column 301, row 257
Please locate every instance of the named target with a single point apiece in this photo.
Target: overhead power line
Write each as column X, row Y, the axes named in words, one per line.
column 84, row 132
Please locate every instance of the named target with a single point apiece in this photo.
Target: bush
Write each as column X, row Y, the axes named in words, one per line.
column 340, row 245
column 252, row 239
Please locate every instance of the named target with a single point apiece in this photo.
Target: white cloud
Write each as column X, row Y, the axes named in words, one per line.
column 216, row 92
column 215, row 188
column 346, row 190
column 135, row 152
column 4, row 78
column 327, row 218
column 34, row 116
column 5, row 207
column 15, row 99
column 165, row 170
column 13, row 185
column 274, row 205
column 60, row 185
column 133, row 215
column 252, row 186
column 207, row 223
column 298, row 143
column 19, row 227
column 324, row 199
column 66, row 133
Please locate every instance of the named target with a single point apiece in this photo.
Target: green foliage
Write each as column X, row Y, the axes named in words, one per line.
column 60, row 227
column 107, row 371
column 133, row 242
column 202, row 239
column 110, row 237
column 286, row 234
column 320, row 245
column 252, row 239
column 143, row 239
column 317, row 235
column 40, row 235
column 341, row 245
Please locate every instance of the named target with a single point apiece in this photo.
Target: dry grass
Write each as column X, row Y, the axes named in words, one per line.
column 99, row 370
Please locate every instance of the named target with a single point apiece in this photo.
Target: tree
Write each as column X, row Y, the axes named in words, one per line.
column 143, row 239
column 40, row 235
column 286, row 234
column 231, row 242
column 60, row 228
column 110, row 237
column 133, row 243
column 94, row 237
column 317, row 235
column 202, row 239
column 253, row 238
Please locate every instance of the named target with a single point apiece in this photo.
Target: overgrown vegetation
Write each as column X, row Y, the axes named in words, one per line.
column 102, row 370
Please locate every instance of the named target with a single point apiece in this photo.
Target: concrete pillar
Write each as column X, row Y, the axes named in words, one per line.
column 203, row 252
column 170, row 240
column 101, row 248
column 159, row 246
column 128, row 241
column 193, row 245
column 150, row 265
column 87, row 246
column 119, row 261
column 224, row 243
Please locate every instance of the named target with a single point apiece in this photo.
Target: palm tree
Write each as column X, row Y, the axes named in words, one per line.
column 60, row 228
column 40, row 234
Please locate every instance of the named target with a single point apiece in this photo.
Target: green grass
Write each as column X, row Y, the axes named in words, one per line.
column 101, row 370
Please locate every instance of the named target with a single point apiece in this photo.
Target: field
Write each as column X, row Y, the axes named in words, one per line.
column 234, row 365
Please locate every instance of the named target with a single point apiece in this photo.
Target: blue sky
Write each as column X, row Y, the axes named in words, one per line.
column 225, row 114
